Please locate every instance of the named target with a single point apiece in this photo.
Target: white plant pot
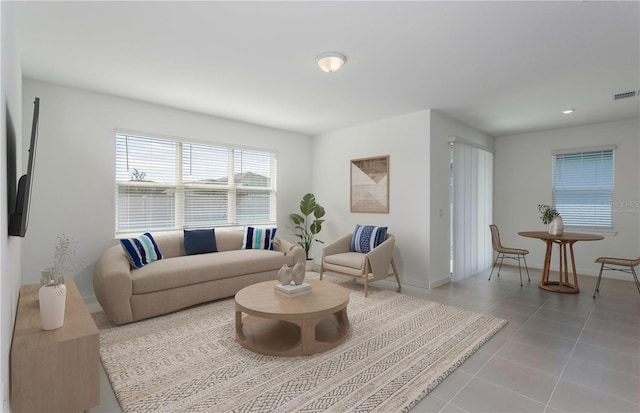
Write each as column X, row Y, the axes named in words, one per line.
column 308, row 266
column 52, row 303
column 556, row 227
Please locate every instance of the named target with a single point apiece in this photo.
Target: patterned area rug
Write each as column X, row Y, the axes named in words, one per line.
column 399, row 348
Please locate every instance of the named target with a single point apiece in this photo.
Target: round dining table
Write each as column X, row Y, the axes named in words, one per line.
column 568, row 238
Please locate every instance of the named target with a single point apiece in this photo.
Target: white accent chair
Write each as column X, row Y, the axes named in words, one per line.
column 337, row 257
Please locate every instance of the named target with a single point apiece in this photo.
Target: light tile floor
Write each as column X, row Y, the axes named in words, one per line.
column 559, row 352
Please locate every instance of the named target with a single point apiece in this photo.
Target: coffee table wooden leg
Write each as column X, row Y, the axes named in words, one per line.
column 308, row 336
column 343, row 320
column 239, row 333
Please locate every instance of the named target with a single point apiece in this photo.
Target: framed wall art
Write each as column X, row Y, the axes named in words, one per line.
column 370, row 185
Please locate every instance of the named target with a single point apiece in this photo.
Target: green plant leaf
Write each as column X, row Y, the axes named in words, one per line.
column 318, row 211
column 297, row 219
column 305, row 228
column 316, row 227
column 307, row 204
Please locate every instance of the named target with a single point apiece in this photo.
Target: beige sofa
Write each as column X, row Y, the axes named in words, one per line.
column 178, row 280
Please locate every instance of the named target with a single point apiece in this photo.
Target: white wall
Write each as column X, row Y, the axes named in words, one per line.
column 442, row 129
column 406, row 140
column 11, row 161
column 74, row 191
column 523, row 180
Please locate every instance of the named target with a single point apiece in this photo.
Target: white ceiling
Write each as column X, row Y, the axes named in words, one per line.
column 502, row 67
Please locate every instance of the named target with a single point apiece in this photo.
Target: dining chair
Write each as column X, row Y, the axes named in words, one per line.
column 628, row 266
column 506, row 252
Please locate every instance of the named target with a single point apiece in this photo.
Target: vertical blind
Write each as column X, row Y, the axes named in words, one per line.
column 167, row 185
column 583, row 188
column 472, row 209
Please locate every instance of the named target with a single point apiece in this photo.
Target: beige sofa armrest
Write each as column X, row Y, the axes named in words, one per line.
column 342, row 244
column 289, row 248
column 113, row 286
column 380, row 258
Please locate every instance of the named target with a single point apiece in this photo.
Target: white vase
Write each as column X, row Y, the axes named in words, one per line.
column 298, row 273
column 285, row 275
column 309, row 264
column 52, row 302
column 556, row 227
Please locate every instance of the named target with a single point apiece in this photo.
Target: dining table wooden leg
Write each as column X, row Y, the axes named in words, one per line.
column 560, row 273
column 573, row 265
column 566, row 265
column 547, row 264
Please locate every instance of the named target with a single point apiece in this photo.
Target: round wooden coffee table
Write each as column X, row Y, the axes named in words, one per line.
column 276, row 325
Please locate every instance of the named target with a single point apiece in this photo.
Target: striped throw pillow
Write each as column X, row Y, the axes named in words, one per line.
column 142, row 250
column 258, row 238
column 367, row 237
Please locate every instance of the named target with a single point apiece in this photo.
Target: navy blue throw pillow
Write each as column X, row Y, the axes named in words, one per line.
column 367, row 237
column 200, row 241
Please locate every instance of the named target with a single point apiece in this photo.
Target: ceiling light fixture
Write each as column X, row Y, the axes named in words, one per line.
column 330, row 61
column 568, row 111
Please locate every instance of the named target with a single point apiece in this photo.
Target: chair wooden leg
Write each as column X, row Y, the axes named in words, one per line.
column 366, row 285
column 395, row 272
column 321, row 271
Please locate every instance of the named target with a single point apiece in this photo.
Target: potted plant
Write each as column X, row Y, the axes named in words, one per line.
column 307, row 226
column 53, row 293
column 550, row 216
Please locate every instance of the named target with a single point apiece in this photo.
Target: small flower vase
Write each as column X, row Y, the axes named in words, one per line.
column 285, row 275
column 52, row 297
column 298, row 273
column 557, row 226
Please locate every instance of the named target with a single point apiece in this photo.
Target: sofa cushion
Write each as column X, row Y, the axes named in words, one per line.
column 141, row 250
column 193, row 269
column 258, row 238
column 200, row 241
column 367, row 237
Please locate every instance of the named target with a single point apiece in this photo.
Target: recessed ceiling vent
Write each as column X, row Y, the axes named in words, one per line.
column 624, row 95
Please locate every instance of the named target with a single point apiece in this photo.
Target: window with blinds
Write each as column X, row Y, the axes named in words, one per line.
column 167, row 185
column 583, row 187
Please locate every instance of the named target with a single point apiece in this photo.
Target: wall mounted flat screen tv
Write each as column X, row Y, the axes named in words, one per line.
column 19, row 219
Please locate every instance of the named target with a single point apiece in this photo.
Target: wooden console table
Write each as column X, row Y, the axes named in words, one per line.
column 54, row 370
column 562, row 285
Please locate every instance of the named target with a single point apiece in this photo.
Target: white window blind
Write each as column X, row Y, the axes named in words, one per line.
column 167, row 185
column 583, row 188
